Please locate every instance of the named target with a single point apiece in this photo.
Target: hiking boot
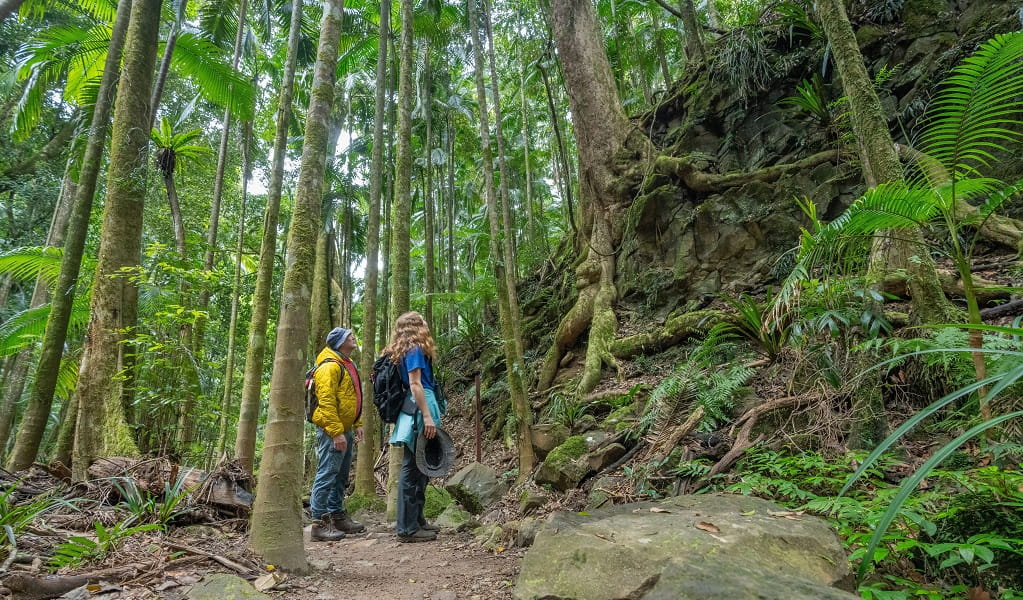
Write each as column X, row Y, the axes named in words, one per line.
column 344, row 523
column 419, row 536
column 323, row 531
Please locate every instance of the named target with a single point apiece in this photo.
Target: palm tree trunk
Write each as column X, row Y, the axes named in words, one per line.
column 186, row 419
column 227, row 401
column 428, row 206
column 528, row 174
column 101, row 427
column 40, row 295
column 365, row 482
column 51, row 351
column 319, row 305
column 451, row 222
column 248, row 410
column 277, row 514
column 401, row 215
column 662, row 59
column 168, row 52
column 504, row 274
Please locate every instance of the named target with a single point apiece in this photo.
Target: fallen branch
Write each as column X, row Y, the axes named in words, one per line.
column 230, row 564
column 683, row 429
column 748, row 420
column 1009, row 308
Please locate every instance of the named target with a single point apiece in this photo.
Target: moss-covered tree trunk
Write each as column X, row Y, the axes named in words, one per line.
column 319, row 304
column 606, row 141
column 37, row 411
column 365, row 482
column 252, row 382
column 101, row 428
column 277, row 514
column 40, row 294
column 401, row 214
column 502, row 259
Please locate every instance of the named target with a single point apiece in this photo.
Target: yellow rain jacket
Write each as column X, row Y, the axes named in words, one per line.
column 339, row 409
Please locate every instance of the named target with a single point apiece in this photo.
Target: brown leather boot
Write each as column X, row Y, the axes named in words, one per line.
column 323, row 531
column 343, row 522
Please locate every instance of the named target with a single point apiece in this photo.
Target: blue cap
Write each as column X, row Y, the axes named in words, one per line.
column 337, row 336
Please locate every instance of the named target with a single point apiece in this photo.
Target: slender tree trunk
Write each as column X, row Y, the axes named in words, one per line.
column 880, row 160
column 52, row 348
column 428, row 207
column 168, row 53
column 504, row 274
column 40, row 295
column 186, row 418
column 528, row 174
column 319, row 305
column 662, row 59
column 101, row 427
column 365, row 482
column 277, row 514
column 695, row 50
column 451, row 221
column 248, row 411
column 66, row 434
column 562, row 160
column 228, row 399
column 402, row 213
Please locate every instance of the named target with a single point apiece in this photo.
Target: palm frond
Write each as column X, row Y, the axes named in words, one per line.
column 67, row 376
column 974, row 113
column 27, row 327
column 31, row 262
column 206, row 64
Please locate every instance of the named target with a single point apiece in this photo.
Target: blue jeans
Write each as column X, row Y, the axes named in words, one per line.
column 333, row 466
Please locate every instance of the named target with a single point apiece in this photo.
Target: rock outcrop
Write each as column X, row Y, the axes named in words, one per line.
column 688, row 547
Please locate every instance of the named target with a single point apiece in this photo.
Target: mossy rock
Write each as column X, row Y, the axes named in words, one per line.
column 357, row 502
column 437, row 500
column 571, row 449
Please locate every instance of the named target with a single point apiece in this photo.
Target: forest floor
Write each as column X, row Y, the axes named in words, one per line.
column 375, row 565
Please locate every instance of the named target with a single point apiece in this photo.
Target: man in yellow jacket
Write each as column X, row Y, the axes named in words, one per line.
column 338, row 418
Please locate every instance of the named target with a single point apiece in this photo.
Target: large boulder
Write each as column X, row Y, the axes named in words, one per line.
column 547, row 437
column 224, row 586
column 688, row 547
column 476, row 487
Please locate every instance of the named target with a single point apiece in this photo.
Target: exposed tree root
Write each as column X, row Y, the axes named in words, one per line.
column 677, row 329
column 748, row 420
column 682, row 168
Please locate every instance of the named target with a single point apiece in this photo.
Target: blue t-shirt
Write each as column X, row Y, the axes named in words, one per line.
column 415, row 359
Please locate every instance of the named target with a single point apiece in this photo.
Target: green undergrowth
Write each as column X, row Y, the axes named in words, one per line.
column 961, row 530
column 357, row 502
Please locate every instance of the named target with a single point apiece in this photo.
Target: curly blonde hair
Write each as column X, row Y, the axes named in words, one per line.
column 410, row 330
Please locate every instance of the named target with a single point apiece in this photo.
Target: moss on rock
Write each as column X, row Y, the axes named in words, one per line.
column 437, row 500
column 571, row 449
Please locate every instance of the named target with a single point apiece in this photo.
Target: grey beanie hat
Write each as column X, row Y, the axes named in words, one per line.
column 337, row 336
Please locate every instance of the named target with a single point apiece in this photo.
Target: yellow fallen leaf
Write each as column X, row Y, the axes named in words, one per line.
column 749, row 513
column 500, row 549
column 708, row 527
column 270, row 567
column 583, row 513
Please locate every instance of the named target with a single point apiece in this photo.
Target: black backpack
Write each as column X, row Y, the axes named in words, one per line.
column 389, row 390
column 311, row 401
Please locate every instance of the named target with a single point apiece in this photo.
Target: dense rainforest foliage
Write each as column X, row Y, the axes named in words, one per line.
column 770, row 248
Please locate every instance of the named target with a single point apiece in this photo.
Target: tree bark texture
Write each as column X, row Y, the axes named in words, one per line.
column 277, row 514
column 101, row 427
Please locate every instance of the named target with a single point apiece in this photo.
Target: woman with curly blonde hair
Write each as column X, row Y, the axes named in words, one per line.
column 412, row 347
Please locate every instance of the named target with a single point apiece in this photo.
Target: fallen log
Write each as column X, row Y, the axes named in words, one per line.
column 26, row 586
column 1003, row 310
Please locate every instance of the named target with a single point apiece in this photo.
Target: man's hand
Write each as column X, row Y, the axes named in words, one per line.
column 340, row 443
column 358, row 434
column 429, row 428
